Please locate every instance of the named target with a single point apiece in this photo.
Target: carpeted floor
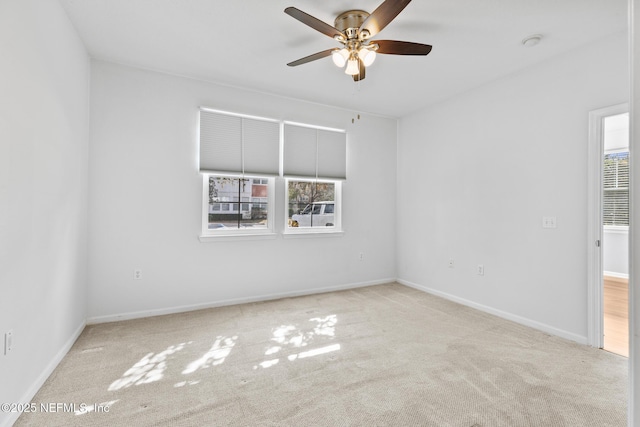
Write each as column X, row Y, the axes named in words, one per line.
column 384, row 355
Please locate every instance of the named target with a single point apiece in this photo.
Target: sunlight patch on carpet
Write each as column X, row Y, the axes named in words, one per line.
column 316, row 352
column 290, row 336
column 185, row 383
column 147, row 370
column 215, row 356
column 325, row 325
column 269, row 363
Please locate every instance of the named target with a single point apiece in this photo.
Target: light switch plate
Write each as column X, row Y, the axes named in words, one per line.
column 8, row 342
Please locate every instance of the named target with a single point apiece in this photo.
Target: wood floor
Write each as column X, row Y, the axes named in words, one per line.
column 616, row 316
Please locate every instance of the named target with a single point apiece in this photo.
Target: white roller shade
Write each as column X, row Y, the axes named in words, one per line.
column 332, row 154
column 238, row 145
column 300, row 148
column 314, row 153
column 261, row 147
column 220, row 142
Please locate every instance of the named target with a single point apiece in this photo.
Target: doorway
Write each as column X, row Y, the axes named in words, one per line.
column 615, row 238
column 609, row 229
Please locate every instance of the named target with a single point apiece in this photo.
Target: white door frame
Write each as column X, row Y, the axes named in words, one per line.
column 594, row 233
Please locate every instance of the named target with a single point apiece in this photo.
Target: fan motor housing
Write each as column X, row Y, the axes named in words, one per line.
column 350, row 19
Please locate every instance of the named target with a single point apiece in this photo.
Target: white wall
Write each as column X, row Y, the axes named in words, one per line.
column 615, row 252
column 146, row 201
column 44, row 72
column 477, row 173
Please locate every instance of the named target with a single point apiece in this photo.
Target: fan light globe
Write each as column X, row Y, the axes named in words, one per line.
column 367, row 56
column 340, row 56
column 352, row 67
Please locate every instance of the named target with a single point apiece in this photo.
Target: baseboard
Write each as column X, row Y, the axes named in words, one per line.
column 613, row 275
column 503, row 314
column 46, row 372
column 233, row 301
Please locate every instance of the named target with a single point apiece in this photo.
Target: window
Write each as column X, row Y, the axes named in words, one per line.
column 240, row 156
column 311, row 204
column 237, row 214
column 314, row 164
column 615, row 194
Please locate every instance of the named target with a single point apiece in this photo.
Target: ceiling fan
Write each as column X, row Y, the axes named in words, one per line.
column 353, row 29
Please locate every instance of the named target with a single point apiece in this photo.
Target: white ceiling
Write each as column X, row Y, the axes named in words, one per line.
column 247, row 43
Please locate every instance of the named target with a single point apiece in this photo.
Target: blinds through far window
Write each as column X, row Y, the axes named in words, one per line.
column 314, row 153
column 616, row 189
column 233, row 144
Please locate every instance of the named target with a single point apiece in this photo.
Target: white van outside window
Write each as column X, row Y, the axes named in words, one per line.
column 316, row 214
column 313, row 206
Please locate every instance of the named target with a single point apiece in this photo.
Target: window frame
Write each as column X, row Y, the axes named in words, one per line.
column 233, row 233
column 336, row 229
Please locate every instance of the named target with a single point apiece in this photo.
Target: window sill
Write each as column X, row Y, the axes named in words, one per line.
column 227, row 237
column 311, row 234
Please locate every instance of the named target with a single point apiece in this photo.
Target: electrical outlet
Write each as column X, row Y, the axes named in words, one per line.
column 137, row 274
column 549, row 222
column 361, row 256
column 8, row 342
column 451, row 263
column 480, row 270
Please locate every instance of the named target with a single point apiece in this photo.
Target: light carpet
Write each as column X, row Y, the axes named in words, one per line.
column 385, row 355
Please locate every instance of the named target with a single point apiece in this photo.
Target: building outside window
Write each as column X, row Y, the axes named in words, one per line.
column 230, row 204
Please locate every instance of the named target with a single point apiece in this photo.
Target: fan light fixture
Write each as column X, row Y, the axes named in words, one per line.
column 340, row 57
column 351, row 56
column 352, row 67
column 354, row 29
column 367, row 55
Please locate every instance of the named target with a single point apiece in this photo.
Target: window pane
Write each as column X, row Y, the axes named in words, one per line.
column 615, row 182
column 311, row 204
column 236, row 211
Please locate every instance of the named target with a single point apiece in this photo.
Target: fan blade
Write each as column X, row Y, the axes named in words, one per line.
column 395, row 47
column 313, row 22
column 310, row 58
column 381, row 17
column 361, row 74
